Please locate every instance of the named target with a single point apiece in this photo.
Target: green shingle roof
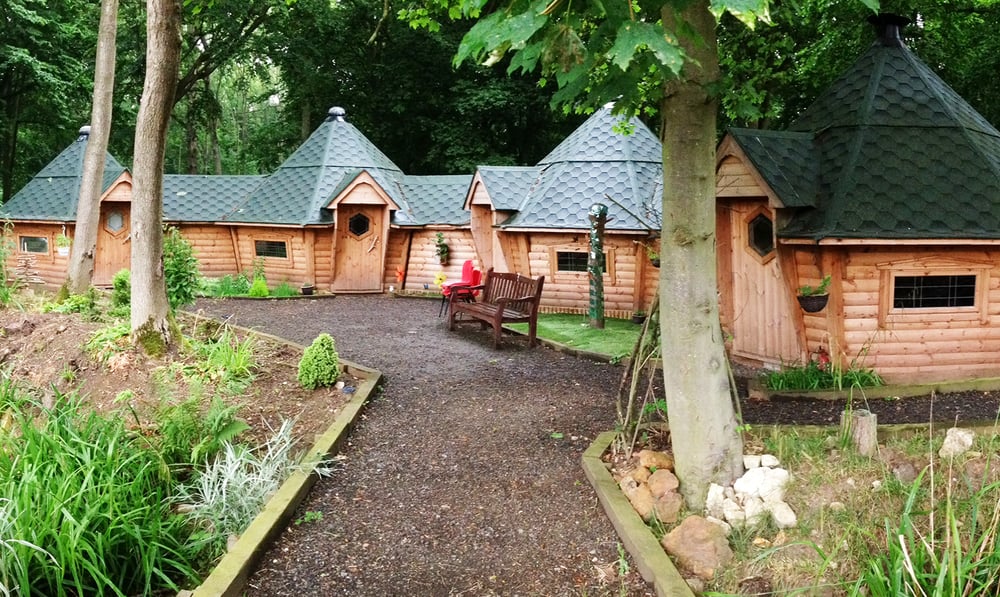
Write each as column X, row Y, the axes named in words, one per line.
column 204, row 198
column 53, row 194
column 888, row 151
column 434, row 200
column 594, row 164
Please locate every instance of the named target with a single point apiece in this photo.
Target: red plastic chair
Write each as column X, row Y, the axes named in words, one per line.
column 461, row 288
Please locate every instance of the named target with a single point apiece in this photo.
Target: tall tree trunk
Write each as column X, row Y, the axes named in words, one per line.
column 88, row 208
column 703, row 428
column 150, row 309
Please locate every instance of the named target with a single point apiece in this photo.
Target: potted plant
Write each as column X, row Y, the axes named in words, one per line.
column 814, row 298
column 652, row 254
column 639, row 316
column 308, row 289
column 442, row 249
column 62, row 244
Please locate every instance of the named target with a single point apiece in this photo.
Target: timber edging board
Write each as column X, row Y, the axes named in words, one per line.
column 652, row 562
column 985, row 384
column 230, row 576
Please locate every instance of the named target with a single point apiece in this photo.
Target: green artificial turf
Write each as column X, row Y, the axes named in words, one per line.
column 616, row 340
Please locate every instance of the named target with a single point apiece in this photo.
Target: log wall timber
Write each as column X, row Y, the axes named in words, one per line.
column 50, row 267
column 213, row 248
column 932, row 344
column 733, row 179
column 424, row 264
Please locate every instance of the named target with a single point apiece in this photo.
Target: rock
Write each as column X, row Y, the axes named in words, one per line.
column 749, row 483
column 698, row 546
column 639, row 496
column 713, row 503
column 769, row 460
column 782, row 514
column 956, row 442
column 754, row 510
column 696, row 585
column 837, row 506
column 668, row 506
column 722, row 524
column 772, row 487
column 662, row 482
column 652, row 459
column 640, row 474
column 733, row 513
column 751, row 461
column 905, row 472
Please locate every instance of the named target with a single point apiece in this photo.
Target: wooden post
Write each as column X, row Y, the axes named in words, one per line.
column 861, row 426
column 595, row 264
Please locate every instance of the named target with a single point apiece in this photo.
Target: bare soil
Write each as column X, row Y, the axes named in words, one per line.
column 462, row 478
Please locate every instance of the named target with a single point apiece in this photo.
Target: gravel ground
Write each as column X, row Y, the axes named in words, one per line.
column 462, row 478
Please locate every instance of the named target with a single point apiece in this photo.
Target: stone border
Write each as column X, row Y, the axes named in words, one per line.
column 230, row 575
column 652, row 562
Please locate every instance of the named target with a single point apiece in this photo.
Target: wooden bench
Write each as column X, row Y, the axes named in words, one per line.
column 506, row 298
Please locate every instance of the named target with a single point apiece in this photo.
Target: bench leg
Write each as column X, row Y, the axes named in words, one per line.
column 532, row 328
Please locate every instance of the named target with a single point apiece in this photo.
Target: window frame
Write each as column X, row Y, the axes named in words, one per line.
column 925, row 268
column 609, row 261
column 760, row 211
column 21, row 246
column 284, row 242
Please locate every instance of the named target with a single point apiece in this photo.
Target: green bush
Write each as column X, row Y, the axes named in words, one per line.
column 320, row 363
column 285, row 289
column 121, row 289
column 259, row 288
column 180, row 269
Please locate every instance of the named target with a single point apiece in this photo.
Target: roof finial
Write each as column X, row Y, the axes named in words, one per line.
column 84, row 133
column 889, row 28
column 337, row 113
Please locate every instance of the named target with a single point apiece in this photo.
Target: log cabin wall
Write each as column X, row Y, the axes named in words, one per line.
column 424, row 264
column 294, row 267
column 213, row 248
column 910, row 345
column 48, row 266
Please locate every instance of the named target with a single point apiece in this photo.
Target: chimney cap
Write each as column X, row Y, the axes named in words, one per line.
column 84, row 131
column 337, row 113
column 889, row 28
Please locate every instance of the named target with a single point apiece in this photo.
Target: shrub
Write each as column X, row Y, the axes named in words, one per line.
column 121, row 289
column 180, row 269
column 259, row 288
column 285, row 289
column 320, row 364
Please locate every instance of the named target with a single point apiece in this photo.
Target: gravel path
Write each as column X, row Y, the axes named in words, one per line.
column 462, row 478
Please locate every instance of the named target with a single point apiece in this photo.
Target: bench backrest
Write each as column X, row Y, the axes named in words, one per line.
column 507, row 285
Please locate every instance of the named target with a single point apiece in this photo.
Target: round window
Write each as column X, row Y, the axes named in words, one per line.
column 116, row 221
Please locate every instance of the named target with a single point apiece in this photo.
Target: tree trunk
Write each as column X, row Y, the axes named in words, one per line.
column 88, row 210
column 706, row 442
column 150, row 309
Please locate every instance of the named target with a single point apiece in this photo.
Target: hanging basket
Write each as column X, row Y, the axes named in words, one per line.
column 813, row 303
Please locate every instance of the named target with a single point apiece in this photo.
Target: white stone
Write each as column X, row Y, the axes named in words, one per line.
column 722, row 523
column 729, row 493
column 713, row 502
column 749, row 483
column 751, row 461
column 754, row 510
column 733, row 513
column 769, row 460
column 782, row 514
column 772, row 487
column 956, row 442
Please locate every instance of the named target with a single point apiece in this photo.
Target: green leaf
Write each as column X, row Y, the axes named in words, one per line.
column 747, row 11
column 501, row 31
column 633, row 37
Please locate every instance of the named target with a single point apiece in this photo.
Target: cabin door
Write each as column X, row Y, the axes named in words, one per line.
column 759, row 306
column 360, row 248
column 113, row 248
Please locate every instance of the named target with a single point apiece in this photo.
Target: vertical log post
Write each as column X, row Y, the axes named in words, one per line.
column 595, row 264
column 861, row 427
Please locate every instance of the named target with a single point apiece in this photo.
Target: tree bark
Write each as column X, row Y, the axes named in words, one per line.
column 150, row 309
column 88, row 209
column 704, row 432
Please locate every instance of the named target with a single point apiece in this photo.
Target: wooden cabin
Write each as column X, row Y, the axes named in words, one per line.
column 889, row 184
column 340, row 215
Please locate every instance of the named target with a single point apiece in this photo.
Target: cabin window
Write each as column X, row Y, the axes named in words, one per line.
column 271, row 248
column 115, row 222
column 571, row 261
column 924, row 292
column 33, row 244
column 760, row 234
column 359, row 224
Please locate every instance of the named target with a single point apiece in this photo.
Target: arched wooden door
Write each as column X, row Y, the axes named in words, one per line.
column 113, row 248
column 360, row 248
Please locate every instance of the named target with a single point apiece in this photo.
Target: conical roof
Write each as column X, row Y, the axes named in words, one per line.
column 53, row 194
column 330, row 159
column 607, row 159
column 897, row 152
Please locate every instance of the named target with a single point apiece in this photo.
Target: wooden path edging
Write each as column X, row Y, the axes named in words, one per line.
column 652, row 562
column 230, row 576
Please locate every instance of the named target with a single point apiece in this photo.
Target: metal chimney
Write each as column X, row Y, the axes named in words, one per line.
column 889, row 28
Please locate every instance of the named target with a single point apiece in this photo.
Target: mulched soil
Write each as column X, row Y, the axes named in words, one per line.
column 464, row 476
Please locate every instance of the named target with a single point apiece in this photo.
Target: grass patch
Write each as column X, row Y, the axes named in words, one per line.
column 616, row 340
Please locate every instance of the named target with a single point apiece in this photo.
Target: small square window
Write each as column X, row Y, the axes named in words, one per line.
column 271, row 248
column 33, row 244
column 574, row 261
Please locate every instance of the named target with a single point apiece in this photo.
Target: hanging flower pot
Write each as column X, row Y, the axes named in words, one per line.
column 813, row 303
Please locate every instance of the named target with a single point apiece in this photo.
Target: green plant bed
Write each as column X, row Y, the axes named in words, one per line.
column 616, row 340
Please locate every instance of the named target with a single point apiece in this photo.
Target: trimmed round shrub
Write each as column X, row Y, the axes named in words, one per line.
column 320, row 364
